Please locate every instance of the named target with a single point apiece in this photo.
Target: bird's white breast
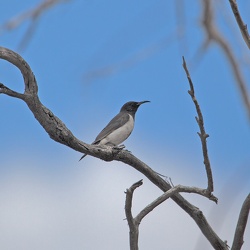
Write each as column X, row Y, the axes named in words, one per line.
column 121, row 134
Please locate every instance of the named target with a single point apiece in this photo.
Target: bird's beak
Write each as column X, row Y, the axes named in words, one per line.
column 140, row 103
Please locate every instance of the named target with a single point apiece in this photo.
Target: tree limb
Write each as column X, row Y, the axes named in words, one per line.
column 241, row 24
column 5, row 90
column 133, row 223
column 169, row 194
column 203, row 135
column 241, row 225
column 214, row 35
column 32, row 15
column 193, row 211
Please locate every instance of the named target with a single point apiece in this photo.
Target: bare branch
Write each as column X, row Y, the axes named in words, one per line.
column 28, row 35
column 193, row 211
column 203, row 135
column 241, row 225
column 28, row 76
column 9, row 92
column 133, row 223
column 170, row 193
column 241, row 24
column 214, row 35
column 52, row 124
column 31, row 15
column 60, row 133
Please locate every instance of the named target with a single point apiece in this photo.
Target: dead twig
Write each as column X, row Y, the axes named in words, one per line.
column 32, row 15
column 203, row 135
column 241, row 24
column 241, row 225
column 135, row 222
column 214, row 35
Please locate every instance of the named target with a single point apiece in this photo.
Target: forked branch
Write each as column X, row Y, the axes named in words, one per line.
column 134, row 222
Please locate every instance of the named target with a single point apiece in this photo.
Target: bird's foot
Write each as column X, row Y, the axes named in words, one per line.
column 119, row 147
column 127, row 151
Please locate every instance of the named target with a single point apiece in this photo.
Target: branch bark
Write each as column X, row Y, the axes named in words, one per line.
column 171, row 192
column 241, row 225
column 136, row 221
column 241, row 24
column 60, row 133
column 203, row 135
column 132, row 223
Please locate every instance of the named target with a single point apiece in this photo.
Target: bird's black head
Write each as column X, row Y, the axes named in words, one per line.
column 131, row 107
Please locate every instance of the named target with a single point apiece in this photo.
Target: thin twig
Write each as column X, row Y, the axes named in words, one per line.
column 241, row 24
column 214, row 35
column 203, row 135
column 32, row 15
column 137, row 57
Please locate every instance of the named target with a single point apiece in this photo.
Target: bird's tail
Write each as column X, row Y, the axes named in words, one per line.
column 83, row 157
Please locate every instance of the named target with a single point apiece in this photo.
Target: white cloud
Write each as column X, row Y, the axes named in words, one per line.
column 83, row 208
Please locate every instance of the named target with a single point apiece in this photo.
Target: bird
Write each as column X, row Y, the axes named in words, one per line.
column 120, row 127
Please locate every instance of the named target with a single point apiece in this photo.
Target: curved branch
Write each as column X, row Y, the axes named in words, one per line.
column 52, row 124
column 22, row 65
column 241, row 225
column 60, row 133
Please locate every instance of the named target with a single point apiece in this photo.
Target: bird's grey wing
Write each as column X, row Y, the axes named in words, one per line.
column 114, row 124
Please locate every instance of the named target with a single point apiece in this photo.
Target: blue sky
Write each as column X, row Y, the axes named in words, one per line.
column 89, row 58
